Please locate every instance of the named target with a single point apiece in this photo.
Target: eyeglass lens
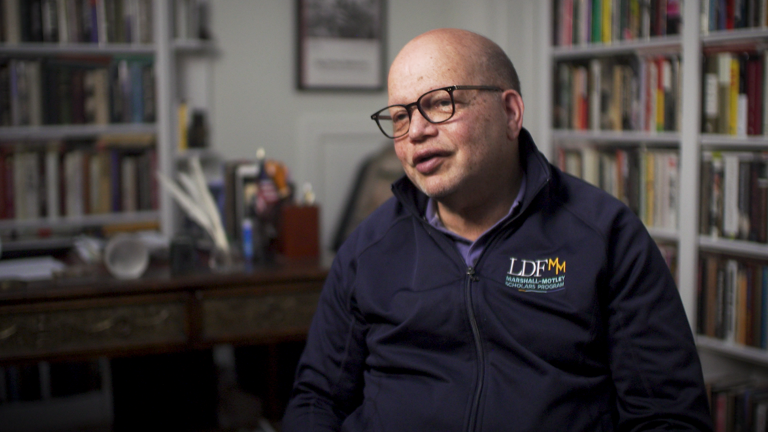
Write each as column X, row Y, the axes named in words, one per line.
column 437, row 106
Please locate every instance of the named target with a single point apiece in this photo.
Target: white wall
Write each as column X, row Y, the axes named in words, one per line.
column 322, row 136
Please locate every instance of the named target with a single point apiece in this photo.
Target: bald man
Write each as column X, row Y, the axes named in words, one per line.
column 492, row 292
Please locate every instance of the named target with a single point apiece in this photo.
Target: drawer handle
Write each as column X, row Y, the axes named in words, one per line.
column 103, row 325
column 154, row 321
column 10, row 331
column 143, row 322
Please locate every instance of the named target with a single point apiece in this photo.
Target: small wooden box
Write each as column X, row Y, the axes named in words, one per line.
column 299, row 235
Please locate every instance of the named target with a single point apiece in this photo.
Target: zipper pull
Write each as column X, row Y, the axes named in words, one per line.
column 471, row 274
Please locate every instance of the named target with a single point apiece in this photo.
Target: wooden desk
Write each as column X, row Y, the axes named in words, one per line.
column 99, row 315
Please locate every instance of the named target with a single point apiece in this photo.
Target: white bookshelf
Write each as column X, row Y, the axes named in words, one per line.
column 171, row 56
column 719, row 356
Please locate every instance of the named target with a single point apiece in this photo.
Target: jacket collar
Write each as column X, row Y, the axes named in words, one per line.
column 535, row 165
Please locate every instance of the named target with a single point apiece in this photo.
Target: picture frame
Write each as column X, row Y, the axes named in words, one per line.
column 341, row 45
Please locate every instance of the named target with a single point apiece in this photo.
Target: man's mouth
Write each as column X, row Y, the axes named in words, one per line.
column 428, row 161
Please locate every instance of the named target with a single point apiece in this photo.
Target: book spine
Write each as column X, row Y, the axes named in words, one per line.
column 52, row 181
column 724, row 97
column 710, row 94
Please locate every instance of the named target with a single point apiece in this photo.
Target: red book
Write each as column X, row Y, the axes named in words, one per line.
column 566, row 25
column 729, row 14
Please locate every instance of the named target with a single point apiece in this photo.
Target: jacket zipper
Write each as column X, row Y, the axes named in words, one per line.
column 473, row 320
column 478, row 347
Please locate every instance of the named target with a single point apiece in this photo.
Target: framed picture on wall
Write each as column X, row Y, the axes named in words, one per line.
column 341, row 44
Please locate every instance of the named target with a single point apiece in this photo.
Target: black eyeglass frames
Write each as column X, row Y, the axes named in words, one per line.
column 436, row 106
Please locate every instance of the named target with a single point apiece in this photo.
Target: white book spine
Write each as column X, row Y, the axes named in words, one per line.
column 741, row 125
column 705, row 17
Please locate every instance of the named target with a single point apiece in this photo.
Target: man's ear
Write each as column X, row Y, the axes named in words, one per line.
column 514, row 108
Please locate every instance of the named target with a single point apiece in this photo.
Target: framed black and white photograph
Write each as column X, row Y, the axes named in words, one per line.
column 341, row 44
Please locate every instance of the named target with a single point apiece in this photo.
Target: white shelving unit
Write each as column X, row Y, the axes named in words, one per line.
column 170, row 56
column 171, row 63
column 718, row 356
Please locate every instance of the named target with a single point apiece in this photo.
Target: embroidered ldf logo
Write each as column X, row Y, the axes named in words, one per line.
column 541, row 275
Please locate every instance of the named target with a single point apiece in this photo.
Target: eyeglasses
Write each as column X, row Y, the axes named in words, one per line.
column 436, row 106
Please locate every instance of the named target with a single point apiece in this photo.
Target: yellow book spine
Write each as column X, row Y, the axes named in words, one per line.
column 733, row 109
column 183, row 129
column 606, row 22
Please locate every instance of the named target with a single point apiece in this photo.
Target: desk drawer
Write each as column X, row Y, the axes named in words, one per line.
column 67, row 327
column 258, row 316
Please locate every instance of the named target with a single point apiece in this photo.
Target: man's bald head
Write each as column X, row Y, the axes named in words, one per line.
column 454, row 48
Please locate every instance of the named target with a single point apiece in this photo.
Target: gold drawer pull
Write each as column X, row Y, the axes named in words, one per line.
column 142, row 322
column 10, row 331
column 102, row 325
column 154, row 321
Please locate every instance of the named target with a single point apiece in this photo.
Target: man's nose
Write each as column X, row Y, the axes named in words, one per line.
column 420, row 126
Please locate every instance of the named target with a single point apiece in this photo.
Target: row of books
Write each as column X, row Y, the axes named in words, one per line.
column 734, row 97
column 76, row 21
column 734, row 195
column 732, row 300
column 733, row 14
column 619, row 93
column 738, row 403
column 645, row 179
column 77, row 90
column 71, row 179
column 45, row 380
column 606, row 21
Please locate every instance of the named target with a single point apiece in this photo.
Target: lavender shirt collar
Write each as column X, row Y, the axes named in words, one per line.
column 471, row 250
